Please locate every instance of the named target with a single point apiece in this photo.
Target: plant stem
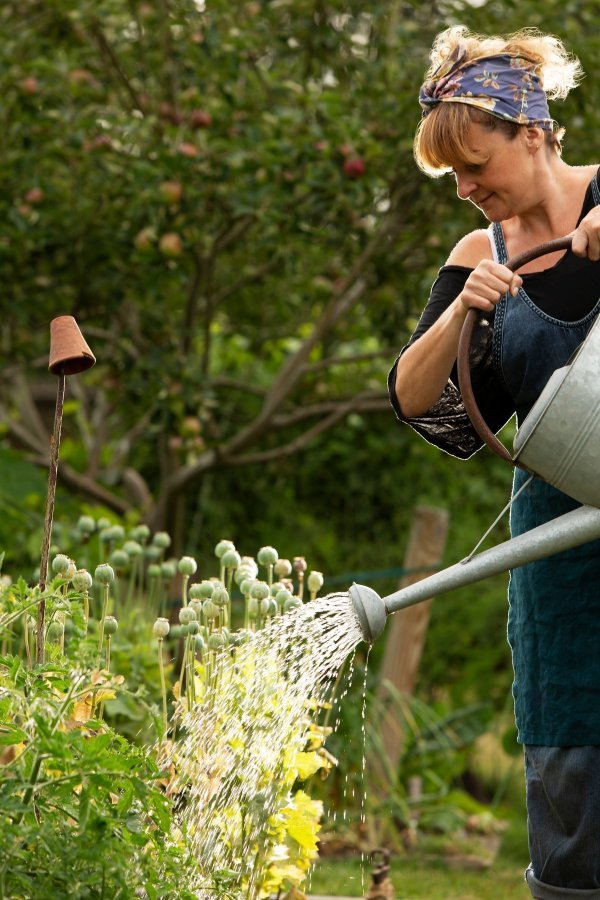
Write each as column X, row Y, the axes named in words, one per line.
column 105, row 590
column 163, row 685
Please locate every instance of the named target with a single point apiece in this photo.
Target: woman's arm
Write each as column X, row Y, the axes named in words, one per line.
column 424, row 368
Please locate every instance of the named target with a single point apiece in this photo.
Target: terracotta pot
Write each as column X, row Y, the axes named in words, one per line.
column 69, row 353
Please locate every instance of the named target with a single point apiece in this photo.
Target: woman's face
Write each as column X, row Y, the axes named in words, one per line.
column 501, row 185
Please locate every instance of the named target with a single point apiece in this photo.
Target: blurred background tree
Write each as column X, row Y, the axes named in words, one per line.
column 224, row 196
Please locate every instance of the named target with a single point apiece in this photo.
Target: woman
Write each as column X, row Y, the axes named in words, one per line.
column 486, row 119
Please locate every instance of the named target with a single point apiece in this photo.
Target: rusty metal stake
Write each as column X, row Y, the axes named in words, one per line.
column 51, row 495
column 69, row 355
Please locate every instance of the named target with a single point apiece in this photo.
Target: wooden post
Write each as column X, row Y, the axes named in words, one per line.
column 407, row 628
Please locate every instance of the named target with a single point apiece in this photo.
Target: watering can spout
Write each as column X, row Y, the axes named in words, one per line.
column 577, row 527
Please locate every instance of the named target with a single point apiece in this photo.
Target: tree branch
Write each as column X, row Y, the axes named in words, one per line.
column 109, row 57
column 298, row 443
column 348, row 360
column 365, row 402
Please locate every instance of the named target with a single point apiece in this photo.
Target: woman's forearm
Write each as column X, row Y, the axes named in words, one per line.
column 424, row 368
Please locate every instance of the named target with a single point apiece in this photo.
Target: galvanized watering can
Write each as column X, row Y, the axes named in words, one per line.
column 558, row 441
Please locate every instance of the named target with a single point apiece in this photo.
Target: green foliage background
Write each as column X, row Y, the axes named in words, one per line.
column 240, row 384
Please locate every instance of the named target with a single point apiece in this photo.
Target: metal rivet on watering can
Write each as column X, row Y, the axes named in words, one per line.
column 69, row 355
column 381, row 888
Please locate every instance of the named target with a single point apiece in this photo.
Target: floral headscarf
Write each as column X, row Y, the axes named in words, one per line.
column 505, row 85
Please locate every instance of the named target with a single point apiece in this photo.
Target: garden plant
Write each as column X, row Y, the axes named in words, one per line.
column 90, row 739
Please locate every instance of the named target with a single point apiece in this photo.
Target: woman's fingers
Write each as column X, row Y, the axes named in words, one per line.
column 586, row 237
column 487, row 283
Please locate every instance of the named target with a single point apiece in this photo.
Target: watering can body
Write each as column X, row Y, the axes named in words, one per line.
column 557, row 441
column 560, row 437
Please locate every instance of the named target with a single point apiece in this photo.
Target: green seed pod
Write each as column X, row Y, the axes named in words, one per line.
column 178, row 631
column 55, row 631
column 220, row 597
column 117, row 533
column 283, row 568
column 196, row 605
column 265, row 606
column 276, row 587
column 210, row 609
column 193, row 628
column 299, row 565
column 267, row 556
column 106, row 535
column 292, row 603
column 133, row 549
column 222, row 547
column 161, row 628
column 273, row 608
column 60, row 564
column 119, row 559
column 168, row 569
column 140, row 533
column 104, row 574
column 82, row 580
column 248, row 562
column 260, row 590
column 216, row 641
column 86, row 525
column 162, row 540
column 154, row 570
column 243, row 573
column 246, row 585
column 152, row 553
column 314, row 581
column 252, row 608
column 194, row 592
column 231, row 559
column 187, row 615
column 110, row 625
column 187, row 565
column 206, row 588
column 71, row 570
column 282, row 597
column 102, row 523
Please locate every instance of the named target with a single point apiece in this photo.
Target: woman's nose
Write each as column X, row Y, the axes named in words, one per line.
column 465, row 185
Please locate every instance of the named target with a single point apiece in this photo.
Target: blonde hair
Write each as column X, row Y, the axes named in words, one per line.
column 440, row 140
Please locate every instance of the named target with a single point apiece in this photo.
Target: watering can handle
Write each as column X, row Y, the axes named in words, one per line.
column 464, row 346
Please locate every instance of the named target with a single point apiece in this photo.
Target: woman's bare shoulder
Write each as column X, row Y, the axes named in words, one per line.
column 471, row 249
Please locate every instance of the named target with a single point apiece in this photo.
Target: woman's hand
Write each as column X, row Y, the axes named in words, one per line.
column 586, row 237
column 488, row 282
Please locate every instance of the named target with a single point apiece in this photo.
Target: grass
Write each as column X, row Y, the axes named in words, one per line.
column 413, row 878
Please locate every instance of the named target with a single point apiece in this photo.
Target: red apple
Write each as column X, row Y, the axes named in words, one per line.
column 200, row 118
column 145, row 238
column 171, row 191
column 29, row 85
column 187, row 149
column 35, row 195
column 170, row 244
column 354, row 167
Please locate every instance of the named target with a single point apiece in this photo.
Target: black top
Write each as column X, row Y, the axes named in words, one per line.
column 551, row 290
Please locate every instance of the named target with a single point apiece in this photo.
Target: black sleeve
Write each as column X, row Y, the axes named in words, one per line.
column 446, row 425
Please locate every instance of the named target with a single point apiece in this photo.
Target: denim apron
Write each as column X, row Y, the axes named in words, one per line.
column 554, row 604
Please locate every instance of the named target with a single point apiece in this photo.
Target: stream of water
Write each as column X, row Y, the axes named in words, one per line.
column 239, row 738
